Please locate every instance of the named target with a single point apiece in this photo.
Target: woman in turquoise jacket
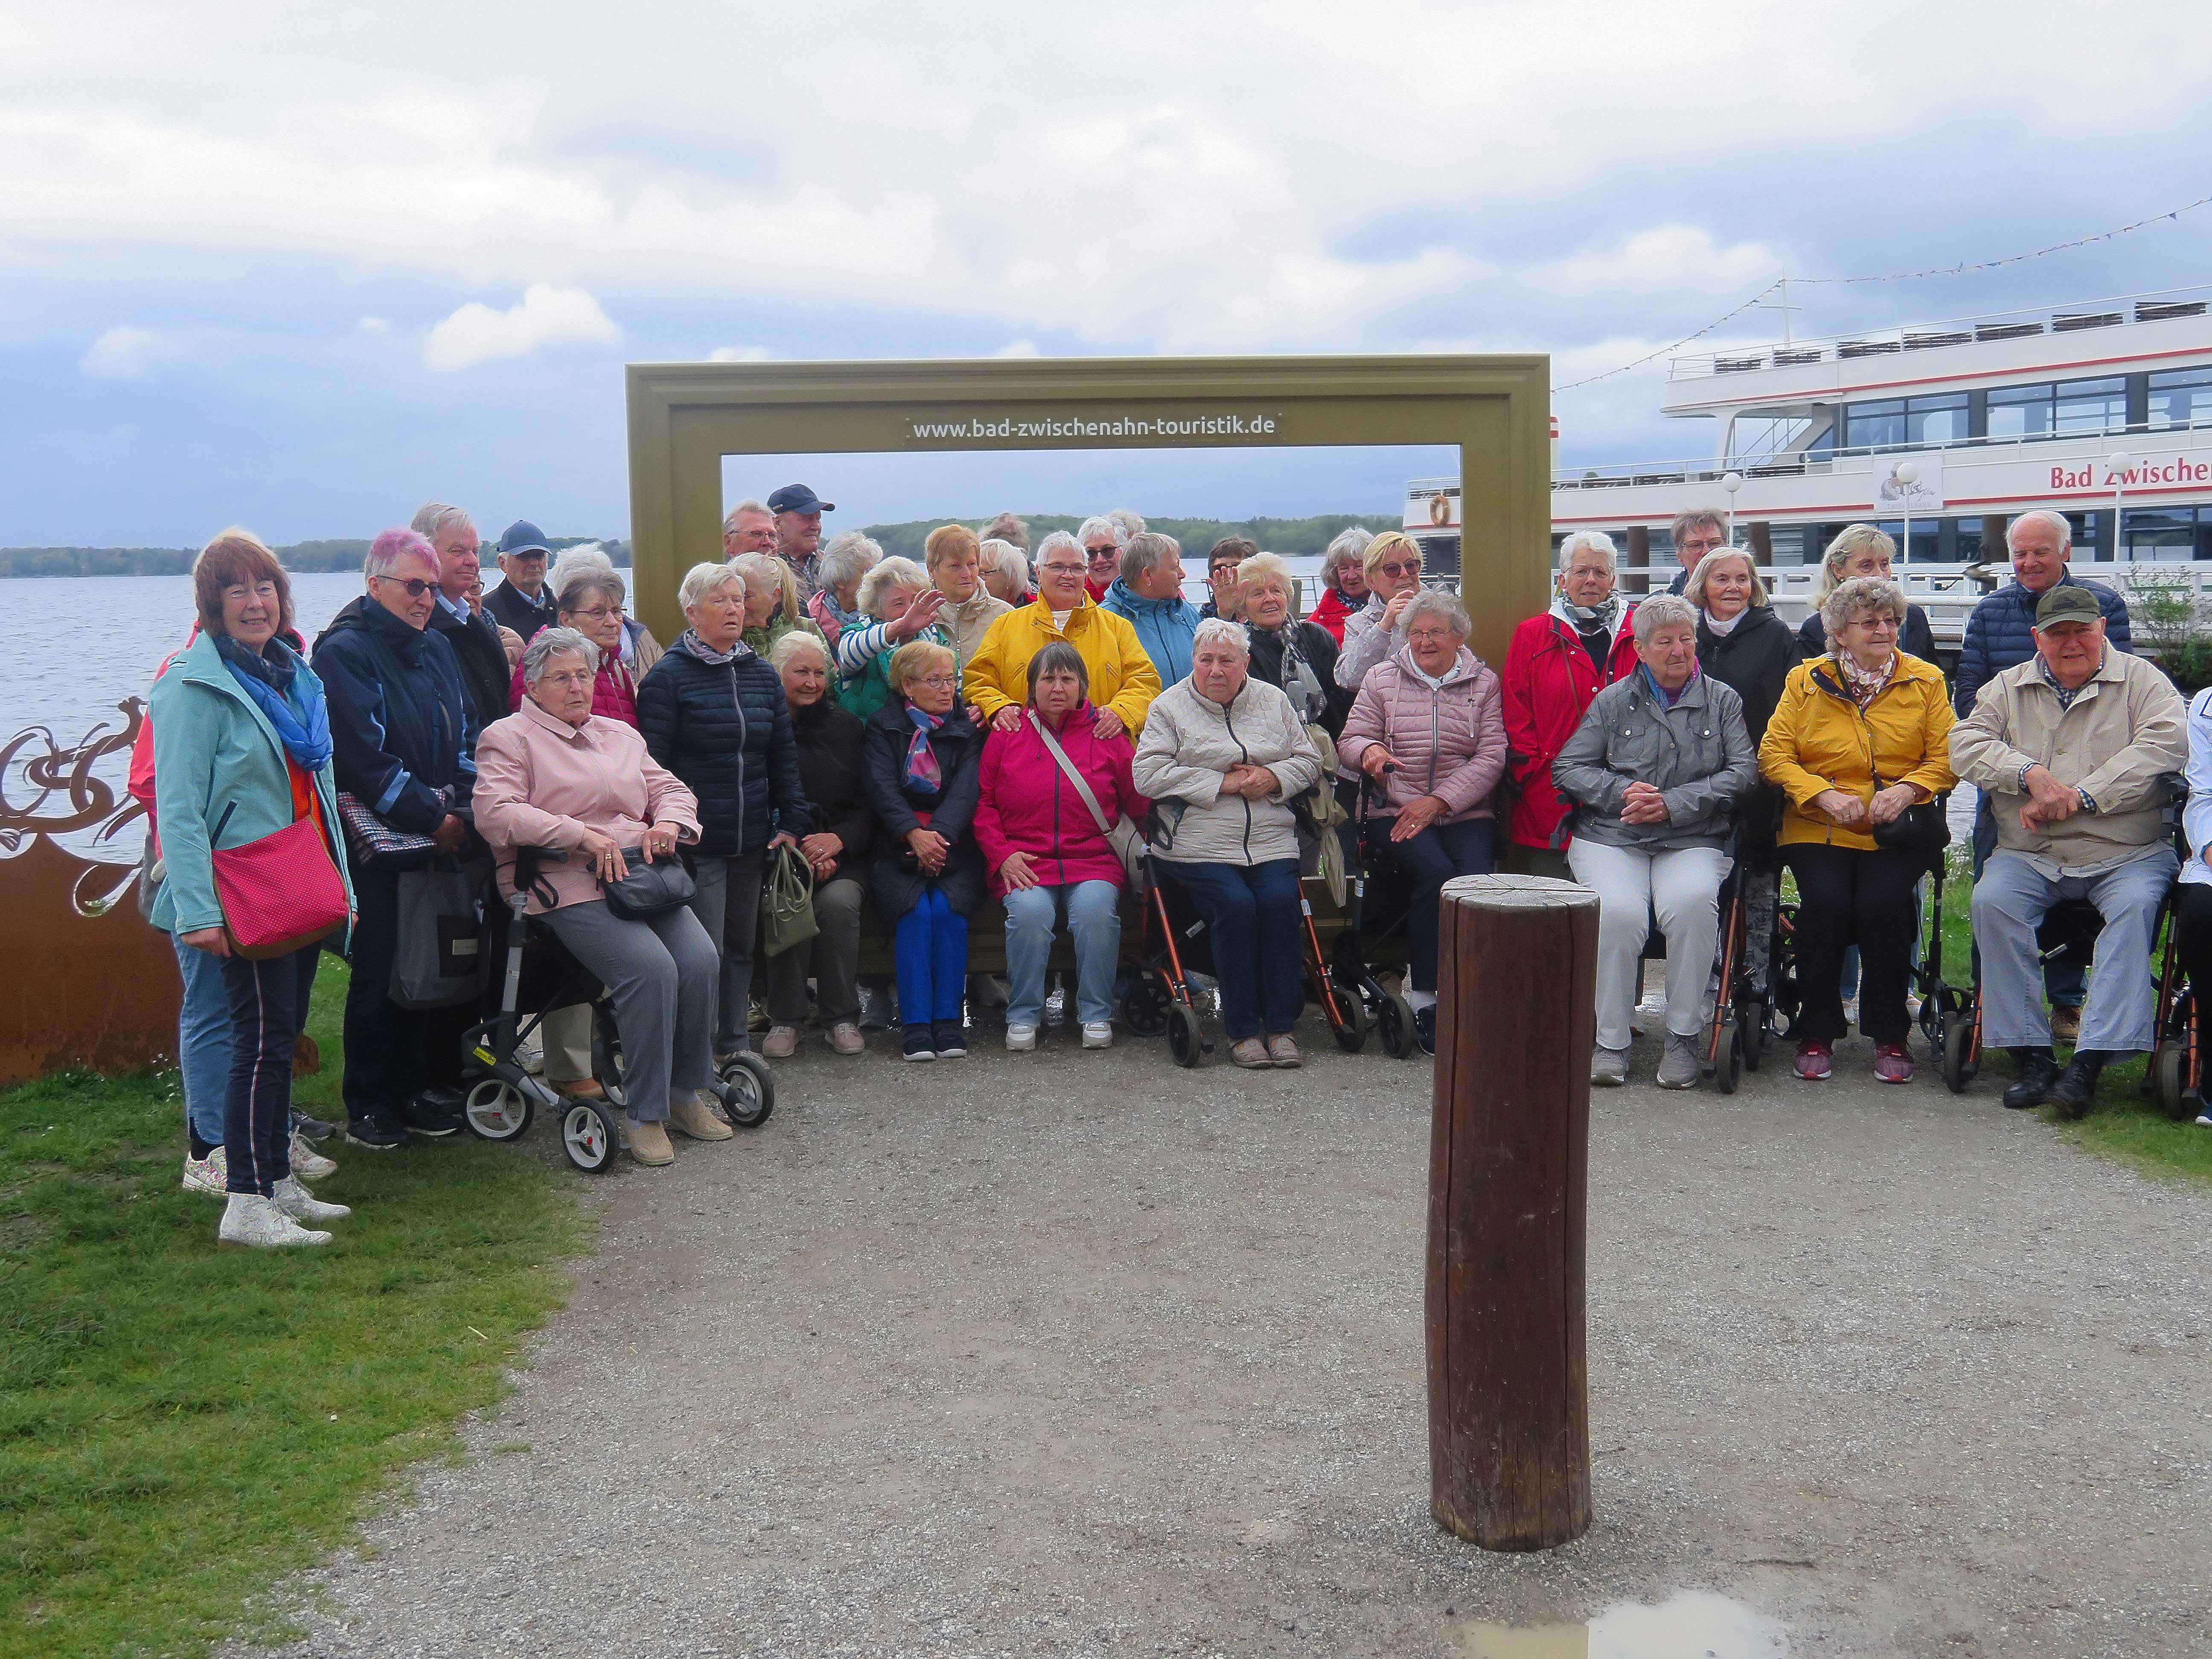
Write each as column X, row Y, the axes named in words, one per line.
column 242, row 750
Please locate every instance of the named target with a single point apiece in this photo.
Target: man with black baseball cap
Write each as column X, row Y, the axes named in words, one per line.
column 2070, row 747
column 799, row 512
column 520, row 601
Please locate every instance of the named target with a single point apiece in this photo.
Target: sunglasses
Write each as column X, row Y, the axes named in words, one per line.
column 1394, row 571
column 415, row 587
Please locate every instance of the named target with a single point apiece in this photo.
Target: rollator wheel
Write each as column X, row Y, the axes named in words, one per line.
column 1958, row 1070
column 1728, row 1064
column 1395, row 1025
column 1145, row 1005
column 1184, row 1042
column 2168, row 1068
column 1751, row 1019
column 588, row 1137
column 748, row 1090
column 1350, row 1028
column 496, row 1110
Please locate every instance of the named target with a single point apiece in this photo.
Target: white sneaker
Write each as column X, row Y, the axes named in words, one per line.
column 1098, row 1034
column 209, row 1175
column 307, row 1163
column 1020, row 1040
column 302, row 1205
column 255, row 1223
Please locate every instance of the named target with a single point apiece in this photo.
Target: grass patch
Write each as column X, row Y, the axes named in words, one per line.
column 180, row 1425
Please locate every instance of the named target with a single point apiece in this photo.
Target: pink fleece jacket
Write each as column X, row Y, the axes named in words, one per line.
column 1027, row 805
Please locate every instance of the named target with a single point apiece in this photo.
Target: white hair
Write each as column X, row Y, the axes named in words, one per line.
column 1852, row 600
column 1434, row 602
column 1100, row 525
column 999, row 555
column 1219, row 630
column 433, row 519
column 1061, row 538
column 1589, row 541
column 1350, row 547
column 1129, row 524
column 702, row 581
column 2057, row 521
column 572, row 563
column 798, row 640
column 766, row 570
column 1660, row 610
column 747, row 505
column 1261, row 565
column 846, row 557
column 550, row 642
column 1144, row 554
column 885, row 574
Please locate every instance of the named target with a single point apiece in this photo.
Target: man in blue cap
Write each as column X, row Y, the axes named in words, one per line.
column 799, row 512
column 520, row 601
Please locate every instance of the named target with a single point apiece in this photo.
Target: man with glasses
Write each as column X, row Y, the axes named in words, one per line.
column 402, row 737
column 1697, row 533
column 474, row 637
column 1123, row 681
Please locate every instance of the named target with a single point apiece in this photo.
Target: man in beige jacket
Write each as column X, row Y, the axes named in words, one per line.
column 2071, row 747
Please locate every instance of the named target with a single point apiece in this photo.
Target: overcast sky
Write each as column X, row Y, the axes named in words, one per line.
column 303, row 267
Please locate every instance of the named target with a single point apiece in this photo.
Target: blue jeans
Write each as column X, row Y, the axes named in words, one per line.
column 2010, row 901
column 1094, row 917
column 203, row 1032
column 1252, row 911
column 930, row 947
column 1431, row 858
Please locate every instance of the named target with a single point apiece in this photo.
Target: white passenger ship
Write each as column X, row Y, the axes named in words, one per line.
column 2102, row 410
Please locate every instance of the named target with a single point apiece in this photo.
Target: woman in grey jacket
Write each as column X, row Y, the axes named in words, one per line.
column 1655, row 766
column 1222, row 755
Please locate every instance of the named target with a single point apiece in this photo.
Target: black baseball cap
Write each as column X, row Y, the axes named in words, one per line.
column 798, row 498
column 523, row 537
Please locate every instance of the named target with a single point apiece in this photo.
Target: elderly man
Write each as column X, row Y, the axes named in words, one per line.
column 2000, row 635
column 751, row 528
column 1697, row 532
column 1123, row 681
column 1102, row 541
column 403, row 733
column 522, row 604
column 1147, row 594
column 475, row 638
column 798, row 512
column 2069, row 747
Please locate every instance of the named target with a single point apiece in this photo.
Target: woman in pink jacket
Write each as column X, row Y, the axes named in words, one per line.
column 1047, row 849
column 553, row 774
column 1428, row 726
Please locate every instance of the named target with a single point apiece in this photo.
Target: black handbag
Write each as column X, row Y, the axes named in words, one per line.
column 1925, row 829
column 646, row 890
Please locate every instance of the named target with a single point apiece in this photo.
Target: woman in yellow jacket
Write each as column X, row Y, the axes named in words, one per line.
column 1123, row 681
column 1862, row 733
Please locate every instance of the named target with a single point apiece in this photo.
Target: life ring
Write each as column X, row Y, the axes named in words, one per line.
column 1440, row 508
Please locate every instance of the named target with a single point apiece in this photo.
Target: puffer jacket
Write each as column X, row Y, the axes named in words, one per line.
column 1190, row 741
column 2001, row 633
column 724, row 729
column 401, row 720
column 1449, row 740
column 1820, row 740
column 1697, row 754
column 1164, row 626
column 1548, row 687
column 1027, row 805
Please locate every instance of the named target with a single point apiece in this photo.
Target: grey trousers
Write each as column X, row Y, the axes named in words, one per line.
column 831, row 956
column 727, row 904
column 2010, row 901
column 661, row 974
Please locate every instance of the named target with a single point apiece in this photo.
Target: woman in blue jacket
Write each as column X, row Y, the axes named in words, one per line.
column 241, row 750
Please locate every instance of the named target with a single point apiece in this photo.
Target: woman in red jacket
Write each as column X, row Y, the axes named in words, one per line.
column 1047, row 849
column 1557, row 663
column 1343, row 581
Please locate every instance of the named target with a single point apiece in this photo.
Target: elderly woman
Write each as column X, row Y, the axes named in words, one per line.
column 829, row 742
column 555, row 775
column 920, row 763
column 1123, row 681
column 1343, row 581
column 1377, row 630
column 1860, row 735
column 712, row 713
column 898, row 606
column 954, row 560
column 1860, row 549
column 1297, row 658
column 1555, row 665
column 591, row 603
column 1224, row 754
column 1657, row 764
column 1006, row 570
column 1427, row 727
column 844, row 559
column 1045, row 837
column 772, row 603
column 1104, row 541
column 242, row 753
column 640, row 650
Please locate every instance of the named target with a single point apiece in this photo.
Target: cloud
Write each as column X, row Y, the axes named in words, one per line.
column 374, row 326
column 1677, row 258
column 546, row 316
column 1018, row 349
column 744, row 354
column 126, row 352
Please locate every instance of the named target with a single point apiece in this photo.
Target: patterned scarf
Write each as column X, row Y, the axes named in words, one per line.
column 1864, row 685
column 266, row 677
column 923, row 775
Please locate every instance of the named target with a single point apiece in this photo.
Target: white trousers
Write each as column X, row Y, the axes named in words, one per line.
column 1682, row 889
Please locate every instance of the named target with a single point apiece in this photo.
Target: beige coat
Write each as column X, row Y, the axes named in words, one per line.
column 970, row 619
column 2126, row 728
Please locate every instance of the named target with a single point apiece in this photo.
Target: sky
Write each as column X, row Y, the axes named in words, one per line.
column 303, row 267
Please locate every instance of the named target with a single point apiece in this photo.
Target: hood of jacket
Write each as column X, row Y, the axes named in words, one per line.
column 360, row 615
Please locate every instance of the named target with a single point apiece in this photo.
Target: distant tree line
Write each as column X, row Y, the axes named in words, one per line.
column 303, row 557
column 1291, row 538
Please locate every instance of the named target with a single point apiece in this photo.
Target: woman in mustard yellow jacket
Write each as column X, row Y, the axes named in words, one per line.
column 1862, row 733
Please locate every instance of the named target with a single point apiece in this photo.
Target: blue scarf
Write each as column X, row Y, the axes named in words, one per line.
column 1668, row 699
column 306, row 734
column 924, row 777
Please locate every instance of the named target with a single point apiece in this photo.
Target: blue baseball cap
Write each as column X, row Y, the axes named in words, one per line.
column 523, row 537
column 798, row 498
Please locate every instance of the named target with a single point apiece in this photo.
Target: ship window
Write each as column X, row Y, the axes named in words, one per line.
column 1866, row 425
column 2021, row 411
column 2181, row 396
column 1898, row 421
column 2093, row 405
column 2160, row 532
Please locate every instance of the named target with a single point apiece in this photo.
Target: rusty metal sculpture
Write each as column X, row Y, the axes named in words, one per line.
column 83, row 980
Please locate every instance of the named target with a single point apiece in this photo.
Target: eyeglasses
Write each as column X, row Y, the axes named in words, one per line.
column 1701, row 544
column 415, row 587
column 936, row 682
column 597, row 613
column 1394, row 571
column 1107, row 551
column 568, row 677
column 1064, row 568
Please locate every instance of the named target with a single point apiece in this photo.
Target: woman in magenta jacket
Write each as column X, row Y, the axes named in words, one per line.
column 1046, row 850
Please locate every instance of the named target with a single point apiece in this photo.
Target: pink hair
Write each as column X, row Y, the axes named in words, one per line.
column 391, row 546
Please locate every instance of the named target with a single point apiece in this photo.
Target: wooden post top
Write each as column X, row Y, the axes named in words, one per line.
column 1517, row 892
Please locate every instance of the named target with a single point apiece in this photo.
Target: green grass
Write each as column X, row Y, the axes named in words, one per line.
column 180, row 1425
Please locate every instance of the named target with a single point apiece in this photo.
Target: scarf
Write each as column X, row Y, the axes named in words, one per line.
column 1590, row 619
column 1863, row 685
column 306, row 734
column 692, row 646
column 1297, row 681
column 832, row 617
column 923, row 775
column 1721, row 630
column 1668, row 699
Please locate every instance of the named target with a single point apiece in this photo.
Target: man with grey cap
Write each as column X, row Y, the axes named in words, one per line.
column 2071, row 748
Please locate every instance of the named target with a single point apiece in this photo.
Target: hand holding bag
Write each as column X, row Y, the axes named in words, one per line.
column 646, row 890
column 1126, row 839
column 279, row 894
column 1924, row 829
column 787, row 915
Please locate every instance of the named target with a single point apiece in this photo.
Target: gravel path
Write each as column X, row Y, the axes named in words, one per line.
column 1076, row 1353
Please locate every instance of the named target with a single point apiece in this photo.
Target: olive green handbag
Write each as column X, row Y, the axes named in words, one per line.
column 787, row 908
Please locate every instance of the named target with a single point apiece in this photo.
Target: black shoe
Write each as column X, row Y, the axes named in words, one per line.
column 920, row 1043
column 2036, row 1069
column 946, row 1037
column 1424, row 1027
column 433, row 1114
column 2076, row 1088
column 379, row 1134
column 312, row 1128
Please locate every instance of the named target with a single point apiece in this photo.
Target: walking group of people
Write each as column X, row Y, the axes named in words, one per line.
column 904, row 738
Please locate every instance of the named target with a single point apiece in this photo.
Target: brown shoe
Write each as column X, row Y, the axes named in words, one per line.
column 582, row 1088
column 2065, row 1023
column 1282, row 1052
column 648, row 1145
column 782, row 1043
column 1251, row 1055
column 696, row 1119
column 845, row 1038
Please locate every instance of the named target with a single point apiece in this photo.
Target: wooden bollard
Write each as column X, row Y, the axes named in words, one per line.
column 1509, row 1163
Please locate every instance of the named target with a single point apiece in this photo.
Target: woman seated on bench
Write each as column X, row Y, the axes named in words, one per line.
column 1046, row 847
